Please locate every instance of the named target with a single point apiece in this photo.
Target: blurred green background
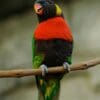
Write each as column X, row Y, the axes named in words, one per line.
column 17, row 23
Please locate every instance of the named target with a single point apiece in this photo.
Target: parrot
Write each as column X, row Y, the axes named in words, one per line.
column 52, row 45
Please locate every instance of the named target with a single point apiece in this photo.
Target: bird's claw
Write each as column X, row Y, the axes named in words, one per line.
column 44, row 69
column 66, row 66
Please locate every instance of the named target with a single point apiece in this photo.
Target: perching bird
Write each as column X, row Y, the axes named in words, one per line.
column 52, row 45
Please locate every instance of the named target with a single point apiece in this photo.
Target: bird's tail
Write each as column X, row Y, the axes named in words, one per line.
column 49, row 88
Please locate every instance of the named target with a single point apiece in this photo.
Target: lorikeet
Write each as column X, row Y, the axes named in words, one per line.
column 52, row 45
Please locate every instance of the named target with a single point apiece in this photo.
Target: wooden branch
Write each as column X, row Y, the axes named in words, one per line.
column 58, row 69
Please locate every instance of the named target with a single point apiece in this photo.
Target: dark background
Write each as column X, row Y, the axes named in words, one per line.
column 9, row 7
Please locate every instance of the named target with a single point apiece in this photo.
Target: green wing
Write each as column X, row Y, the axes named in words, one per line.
column 36, row 58
column 69, row 59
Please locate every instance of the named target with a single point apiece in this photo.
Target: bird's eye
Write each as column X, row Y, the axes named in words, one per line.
column 38, row 8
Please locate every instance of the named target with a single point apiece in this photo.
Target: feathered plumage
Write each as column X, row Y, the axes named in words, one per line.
column 52, row 45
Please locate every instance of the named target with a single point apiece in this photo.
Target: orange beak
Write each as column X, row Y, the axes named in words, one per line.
column 38, row 9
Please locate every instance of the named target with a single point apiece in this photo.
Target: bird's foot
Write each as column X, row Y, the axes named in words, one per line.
column 44, row 69
column 66, row 67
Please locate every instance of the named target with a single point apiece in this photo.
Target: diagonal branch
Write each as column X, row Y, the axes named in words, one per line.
column 58, row 69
